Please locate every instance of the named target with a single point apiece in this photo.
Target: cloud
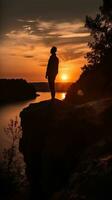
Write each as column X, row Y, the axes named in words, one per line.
column 24, row 35
column 28, row 56
column 34, row 40
column 73, row 52
column 49, row 33
column 14, row 12
column 74, row 35
column 49, row 29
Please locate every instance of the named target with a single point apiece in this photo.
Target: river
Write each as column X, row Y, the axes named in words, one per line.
column 12, row 110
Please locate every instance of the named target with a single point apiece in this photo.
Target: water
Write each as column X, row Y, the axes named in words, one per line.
column 10, row 111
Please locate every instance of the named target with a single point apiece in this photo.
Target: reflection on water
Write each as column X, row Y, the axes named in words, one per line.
column 63, row 95
column 10, row 111
column 46, row 95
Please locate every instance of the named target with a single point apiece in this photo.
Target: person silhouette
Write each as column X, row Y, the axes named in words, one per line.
column 52, row 71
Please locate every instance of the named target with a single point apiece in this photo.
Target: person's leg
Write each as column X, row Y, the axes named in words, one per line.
column 53, row 89
column 52, row 86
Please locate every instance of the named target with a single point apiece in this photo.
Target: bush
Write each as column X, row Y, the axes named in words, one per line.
column 12, row 167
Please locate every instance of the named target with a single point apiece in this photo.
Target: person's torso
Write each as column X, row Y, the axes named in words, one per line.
column 53, row 64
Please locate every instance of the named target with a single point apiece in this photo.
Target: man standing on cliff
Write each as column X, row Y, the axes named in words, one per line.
column 52, row 71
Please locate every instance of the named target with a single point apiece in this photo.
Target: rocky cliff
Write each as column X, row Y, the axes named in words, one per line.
column 57, row 139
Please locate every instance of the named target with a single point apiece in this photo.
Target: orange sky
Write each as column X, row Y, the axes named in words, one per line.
column 24, row 53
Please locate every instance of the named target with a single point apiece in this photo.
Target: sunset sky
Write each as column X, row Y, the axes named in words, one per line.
column 29, row 28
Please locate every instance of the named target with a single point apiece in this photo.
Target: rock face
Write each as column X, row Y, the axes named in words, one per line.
column 55, row 137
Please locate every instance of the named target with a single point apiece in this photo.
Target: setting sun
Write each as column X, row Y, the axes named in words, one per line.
column 64, row 77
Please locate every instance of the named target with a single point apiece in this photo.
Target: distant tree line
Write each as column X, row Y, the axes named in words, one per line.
column 15, row 90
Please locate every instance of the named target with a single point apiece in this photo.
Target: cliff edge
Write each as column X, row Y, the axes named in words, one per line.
column 55, row 137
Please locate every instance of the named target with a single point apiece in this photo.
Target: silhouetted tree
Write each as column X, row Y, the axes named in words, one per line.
column 101, row 33
column 96, row 78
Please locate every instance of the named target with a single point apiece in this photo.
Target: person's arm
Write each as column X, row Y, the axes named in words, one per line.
column 46, row 76
column 57, row 66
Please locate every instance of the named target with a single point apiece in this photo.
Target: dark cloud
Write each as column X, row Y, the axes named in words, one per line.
column 71, row 54
column 13, row 54
column 60, row 10
column 49, row 33
column 64, row 41
column 28, row 56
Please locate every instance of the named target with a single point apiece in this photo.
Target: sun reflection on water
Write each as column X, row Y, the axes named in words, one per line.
column 63, row 95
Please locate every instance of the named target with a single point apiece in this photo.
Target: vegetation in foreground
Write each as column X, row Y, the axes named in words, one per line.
column 13, row 181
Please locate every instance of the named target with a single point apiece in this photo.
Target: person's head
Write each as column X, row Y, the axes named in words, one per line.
column 53, row 50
